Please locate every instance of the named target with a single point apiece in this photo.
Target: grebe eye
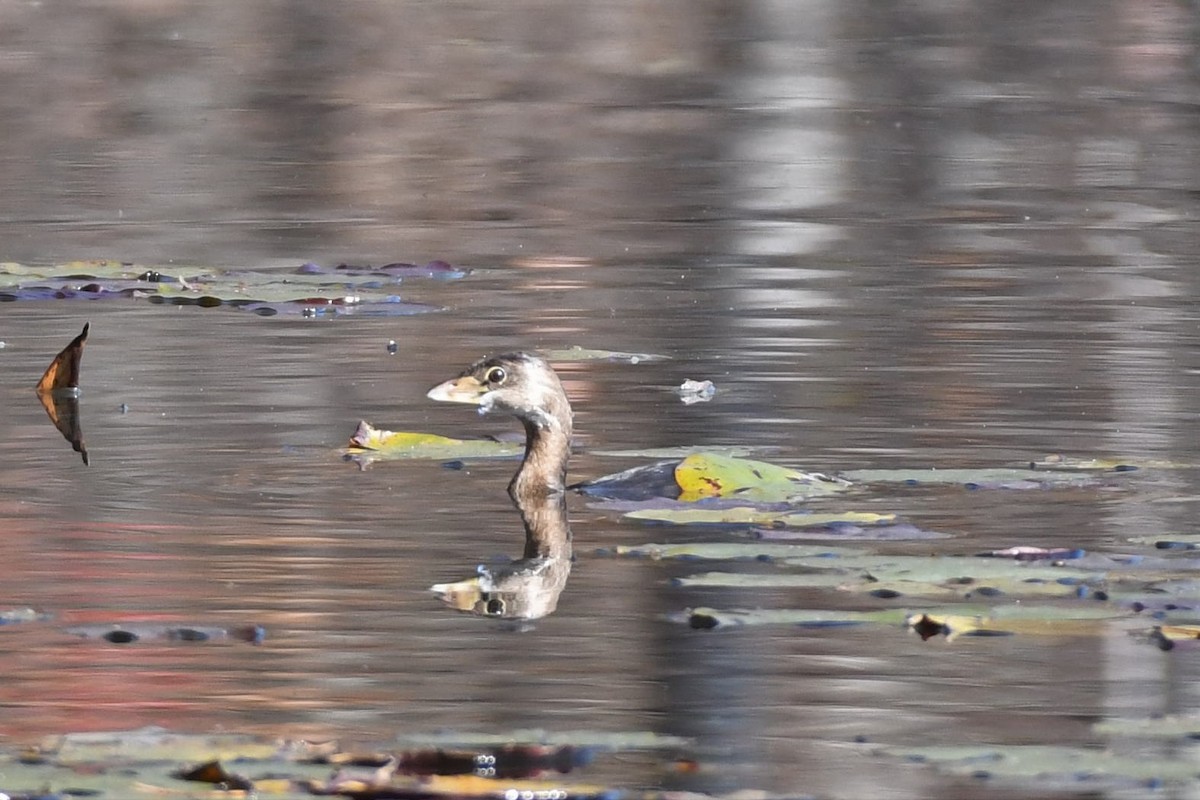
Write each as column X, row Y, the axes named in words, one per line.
column 496, row 375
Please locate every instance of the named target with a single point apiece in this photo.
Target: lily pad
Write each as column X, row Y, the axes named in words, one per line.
column 749, row 515
column 844, row 531
column 369, row 443
column 984, row 478
column 309, row 291
column 157, row 762
column 577, row 353
column 1170, row 726
column 1050, row 769
column 129, row 633
column 712, row 475
column 1062, row 620
column 709, row 474
column 678, row 453
column 709, row 618
column 1061, row 462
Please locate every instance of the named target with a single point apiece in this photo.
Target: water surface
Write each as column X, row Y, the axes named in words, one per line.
column 900, row 236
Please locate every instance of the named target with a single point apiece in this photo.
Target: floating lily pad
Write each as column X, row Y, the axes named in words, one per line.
column 369, row 443
column 1059, row 620
column 844, row 531
column 437, row 270
column 1170, row 726
column 129, row 633
column 709, row 474
column 866, row 585
column 151, row 744
column 1062, row 462
column 984, row 478
column 749, row 515
column 156, row 762
column 1050, row 769
column 577, row 353
column 709, row 618
column 713, row 475
column 311, row 291
column 677, row 453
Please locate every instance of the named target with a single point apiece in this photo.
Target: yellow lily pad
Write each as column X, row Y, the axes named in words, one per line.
column 378, row 443
column 1028, row 620
column 703, row 475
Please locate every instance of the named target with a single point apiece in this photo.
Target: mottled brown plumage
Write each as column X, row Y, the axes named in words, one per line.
column 528, row 388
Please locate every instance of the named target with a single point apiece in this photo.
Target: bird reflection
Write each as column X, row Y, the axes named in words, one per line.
column 528, row 587
column 526, row 387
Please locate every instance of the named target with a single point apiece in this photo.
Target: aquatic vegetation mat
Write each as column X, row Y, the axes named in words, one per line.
column 1047, row 768
column 1023, row 589
column 308, row 290
column 156, row 762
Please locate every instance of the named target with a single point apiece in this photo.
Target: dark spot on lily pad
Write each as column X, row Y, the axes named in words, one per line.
column 120, row 637
column 885, row 594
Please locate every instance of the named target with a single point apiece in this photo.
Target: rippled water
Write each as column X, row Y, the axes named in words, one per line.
column 940, row 235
